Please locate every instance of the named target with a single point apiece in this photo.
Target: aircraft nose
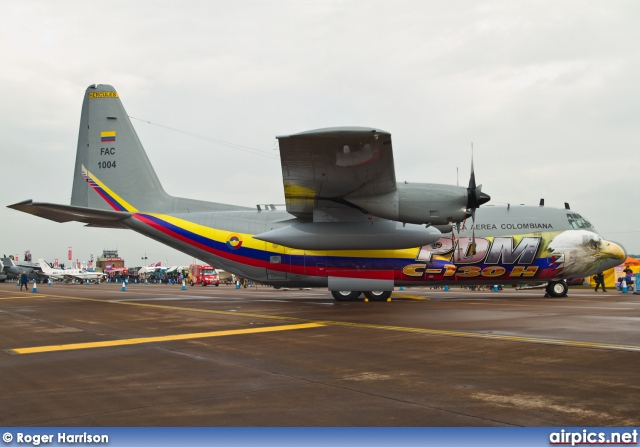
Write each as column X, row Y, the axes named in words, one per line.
column 613, row 251
column 610, row 255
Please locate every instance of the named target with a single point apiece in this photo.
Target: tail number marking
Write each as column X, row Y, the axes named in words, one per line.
column 106, row 164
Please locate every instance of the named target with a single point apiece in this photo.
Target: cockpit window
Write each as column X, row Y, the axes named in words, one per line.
column 577, row 221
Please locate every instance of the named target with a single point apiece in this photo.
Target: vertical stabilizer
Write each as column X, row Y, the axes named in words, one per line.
column 112, row 170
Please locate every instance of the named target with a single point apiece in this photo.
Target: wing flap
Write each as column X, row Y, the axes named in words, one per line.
column 68, row 213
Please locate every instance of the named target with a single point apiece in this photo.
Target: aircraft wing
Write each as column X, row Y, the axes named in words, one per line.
column 320, row 167
column 67, row 213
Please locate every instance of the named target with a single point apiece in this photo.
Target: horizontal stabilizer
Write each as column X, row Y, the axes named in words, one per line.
column 68, row 213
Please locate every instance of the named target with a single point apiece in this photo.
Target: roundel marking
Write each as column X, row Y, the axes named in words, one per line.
column 234, row 242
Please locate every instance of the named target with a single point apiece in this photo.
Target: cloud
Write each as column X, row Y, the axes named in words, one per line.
column 546, row 91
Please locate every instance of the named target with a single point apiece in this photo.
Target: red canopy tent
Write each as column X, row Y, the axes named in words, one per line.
column 632, row 262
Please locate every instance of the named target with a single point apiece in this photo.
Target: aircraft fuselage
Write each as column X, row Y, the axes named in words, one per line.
column 513, row 246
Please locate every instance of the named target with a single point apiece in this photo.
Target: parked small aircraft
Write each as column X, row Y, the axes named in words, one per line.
column 68, row 274
column 348, row 224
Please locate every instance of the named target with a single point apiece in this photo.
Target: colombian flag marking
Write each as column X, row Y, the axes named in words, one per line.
column 108, row 137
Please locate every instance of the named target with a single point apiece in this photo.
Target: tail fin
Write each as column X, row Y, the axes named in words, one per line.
column 46, row 268
column 112, row 170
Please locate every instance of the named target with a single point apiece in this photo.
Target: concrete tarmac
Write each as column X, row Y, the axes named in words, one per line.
column 155, row 355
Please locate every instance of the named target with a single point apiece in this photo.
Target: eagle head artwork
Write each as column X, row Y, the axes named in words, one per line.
column 584, row 253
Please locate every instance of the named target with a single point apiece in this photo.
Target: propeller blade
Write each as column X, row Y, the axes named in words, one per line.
column 475, row 196
column 472, row 179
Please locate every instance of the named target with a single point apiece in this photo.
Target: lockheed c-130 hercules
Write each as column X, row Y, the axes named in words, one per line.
column 348, row 225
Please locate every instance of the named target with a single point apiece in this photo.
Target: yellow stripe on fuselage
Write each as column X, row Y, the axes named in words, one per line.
column 249, row 242
column 106, row 189
column 214, row 234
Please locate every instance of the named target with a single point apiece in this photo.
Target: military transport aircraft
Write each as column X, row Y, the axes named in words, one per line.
column 12, row 269
column 348, row 224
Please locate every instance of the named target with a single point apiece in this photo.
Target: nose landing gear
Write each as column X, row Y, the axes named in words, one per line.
column 557, row 289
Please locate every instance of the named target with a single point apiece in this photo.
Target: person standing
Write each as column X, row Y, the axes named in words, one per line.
column 24, row 281
column 628, row 276
column 599, row 279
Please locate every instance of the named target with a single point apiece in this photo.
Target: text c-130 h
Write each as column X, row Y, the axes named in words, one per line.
column 348, row 224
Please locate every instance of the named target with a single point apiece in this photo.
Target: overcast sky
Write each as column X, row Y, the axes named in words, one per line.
column 546, row 90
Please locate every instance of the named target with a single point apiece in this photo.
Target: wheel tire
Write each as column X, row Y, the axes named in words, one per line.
column 191, row 282
column 344, row 295
column 557, row 289
column 378, row 295
column 217, row 285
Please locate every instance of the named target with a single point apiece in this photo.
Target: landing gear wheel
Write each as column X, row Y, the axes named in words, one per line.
column 557, row 289
column 378, row 295
column 344, row 295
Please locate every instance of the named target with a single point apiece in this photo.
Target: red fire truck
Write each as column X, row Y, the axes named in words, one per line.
column 203, row 274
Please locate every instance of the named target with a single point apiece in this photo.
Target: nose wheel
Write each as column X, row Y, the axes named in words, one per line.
column 557, row 289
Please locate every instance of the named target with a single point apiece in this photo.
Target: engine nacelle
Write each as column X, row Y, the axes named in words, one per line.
column 376, row 235
column 419, row 203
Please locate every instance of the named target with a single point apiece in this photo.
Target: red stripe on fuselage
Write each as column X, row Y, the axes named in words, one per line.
column 223, row 254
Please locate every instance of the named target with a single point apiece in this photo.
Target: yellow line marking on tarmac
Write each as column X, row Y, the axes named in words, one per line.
column 27, row 294
column 137, row 341
column 410, row 297
column 547, row 341
column 536, row 340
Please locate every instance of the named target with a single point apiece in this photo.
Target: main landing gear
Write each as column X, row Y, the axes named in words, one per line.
column 348, row 295
column 557, row 289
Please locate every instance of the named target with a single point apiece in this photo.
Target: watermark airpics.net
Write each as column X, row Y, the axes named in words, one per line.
column 593, row 437
column 60, row 438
